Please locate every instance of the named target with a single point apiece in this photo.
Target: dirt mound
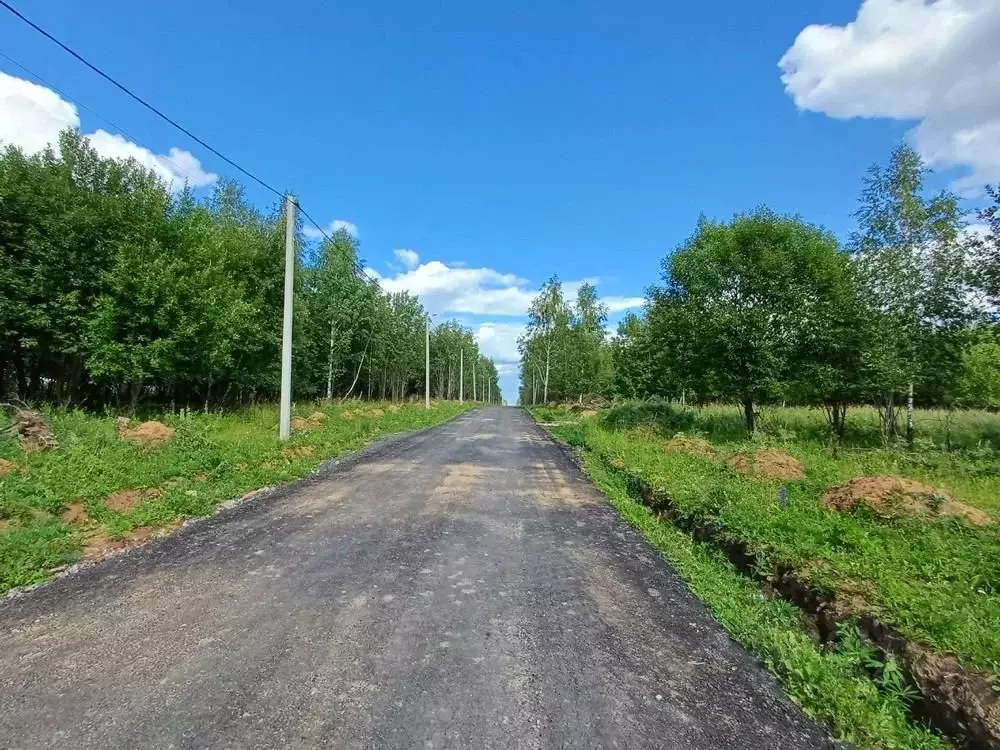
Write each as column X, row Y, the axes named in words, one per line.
column 147, row 433
column 693, row 446
column 124, row 501
column 31, row 429
column 768, row 463
column 98, row 545
column 302, row 451
column 6, row 467
column 75, row 513
column 316, row 419
column 894, row 497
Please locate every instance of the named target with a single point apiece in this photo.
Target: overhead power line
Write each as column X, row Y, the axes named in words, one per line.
column 114, row 126
column 138, row 98
column 358, row 268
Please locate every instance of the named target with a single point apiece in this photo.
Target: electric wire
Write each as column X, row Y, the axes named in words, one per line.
column 358, row 268
column 136, row 97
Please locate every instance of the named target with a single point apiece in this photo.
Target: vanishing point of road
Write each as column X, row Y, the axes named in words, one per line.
column 460, row 587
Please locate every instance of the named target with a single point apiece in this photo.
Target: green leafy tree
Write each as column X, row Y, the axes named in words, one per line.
column 979, row 385
column 914, row 272
column 743, row 294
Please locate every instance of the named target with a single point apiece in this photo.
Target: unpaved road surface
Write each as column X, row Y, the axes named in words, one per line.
column 458, row 587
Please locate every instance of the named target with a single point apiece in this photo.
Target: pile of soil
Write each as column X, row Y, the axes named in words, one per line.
column 302, row 451
column 6, row 467
column 693, row 446
column 895, row 497
column 124, row 501
column 75, row 513
column 314, row 420
column 768, row 463
column 147, row 433
column 31, row 429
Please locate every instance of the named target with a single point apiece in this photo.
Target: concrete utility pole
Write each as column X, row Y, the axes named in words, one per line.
column 461, row 376
column 473, row 381
column 427, row 364
column 285, row 413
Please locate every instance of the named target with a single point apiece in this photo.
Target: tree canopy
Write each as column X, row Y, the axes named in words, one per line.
column 114, row 291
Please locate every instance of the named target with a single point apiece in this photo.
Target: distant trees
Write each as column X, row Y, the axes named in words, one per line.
column 564, row 349
column 768, row 308
column 113, row 291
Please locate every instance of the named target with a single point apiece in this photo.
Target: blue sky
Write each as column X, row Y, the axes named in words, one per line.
column 501, row 143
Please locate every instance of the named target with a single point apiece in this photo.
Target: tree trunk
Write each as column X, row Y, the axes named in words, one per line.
column 749, row 417
column 329, row 367
column 909, row 416
column 545, row 386
column 135, row 389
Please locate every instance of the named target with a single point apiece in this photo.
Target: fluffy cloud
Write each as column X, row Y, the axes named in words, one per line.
column 332, row 228
column 451, row 289
column 935, row 61
column 409, row 258
column 499, row 341
column 621, row 304
column 32, row 116
column 445, row 288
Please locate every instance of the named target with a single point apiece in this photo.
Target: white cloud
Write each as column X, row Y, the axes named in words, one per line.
column 32, row 116
column 499, row 341
column 621, row 304
column 447, row 288
column 172, row 169
column 935, row 61
column 409, row 258
column 455, row 288
column 332, row 228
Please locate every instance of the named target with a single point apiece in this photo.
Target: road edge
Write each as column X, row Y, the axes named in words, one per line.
column 270, row 493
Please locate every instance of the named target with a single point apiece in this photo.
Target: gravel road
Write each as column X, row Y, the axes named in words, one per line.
column 457, row 587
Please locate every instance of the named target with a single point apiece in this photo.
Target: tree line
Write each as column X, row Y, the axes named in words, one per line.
column 116, row 292
column 767, row 308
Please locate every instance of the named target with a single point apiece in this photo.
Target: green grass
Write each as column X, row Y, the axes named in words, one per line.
column 937, row 582
column 211, row 458
column 830, row 686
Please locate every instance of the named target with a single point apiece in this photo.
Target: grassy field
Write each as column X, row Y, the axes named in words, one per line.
column 96, row 492
column 931, row 579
